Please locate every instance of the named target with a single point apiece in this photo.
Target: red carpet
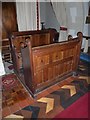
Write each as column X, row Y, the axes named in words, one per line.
column 9, row 81
column 79, row 109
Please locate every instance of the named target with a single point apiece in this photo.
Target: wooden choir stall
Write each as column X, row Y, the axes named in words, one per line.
column 43, row 61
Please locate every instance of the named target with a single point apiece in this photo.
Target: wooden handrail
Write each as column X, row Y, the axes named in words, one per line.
column 87, row 37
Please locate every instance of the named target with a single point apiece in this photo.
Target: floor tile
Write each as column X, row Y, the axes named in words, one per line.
column 14, row 108
column 41, row 94
column 23, row 103
column 30, row 100
column 6, row 111
column 18, row 97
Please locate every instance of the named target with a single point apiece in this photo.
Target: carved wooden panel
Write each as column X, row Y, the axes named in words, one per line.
column 53, row 62
column 40, row 39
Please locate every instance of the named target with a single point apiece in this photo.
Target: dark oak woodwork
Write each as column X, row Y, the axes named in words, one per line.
column 9, row 25
column 43, row 61
column 37, row 38
column 46, row 65
column 9, row 22
column 6, row 50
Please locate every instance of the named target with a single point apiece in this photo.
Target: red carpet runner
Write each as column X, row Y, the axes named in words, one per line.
column 79, row 109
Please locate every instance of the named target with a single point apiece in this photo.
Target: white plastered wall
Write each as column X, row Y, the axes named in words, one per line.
column 75, row 21
column 48, row 16
column 26, row 15
column 86, row 29
column 2, row 71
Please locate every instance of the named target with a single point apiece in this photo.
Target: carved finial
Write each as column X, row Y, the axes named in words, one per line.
column 70, row 37
column 79, row 34
column 22, row 44
column 27, row 40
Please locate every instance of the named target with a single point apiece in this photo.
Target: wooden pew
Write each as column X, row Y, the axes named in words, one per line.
column 37, row 38
column 46, row 65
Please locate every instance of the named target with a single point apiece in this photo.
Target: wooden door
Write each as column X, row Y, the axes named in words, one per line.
column 9, row 22
column 9, row 25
